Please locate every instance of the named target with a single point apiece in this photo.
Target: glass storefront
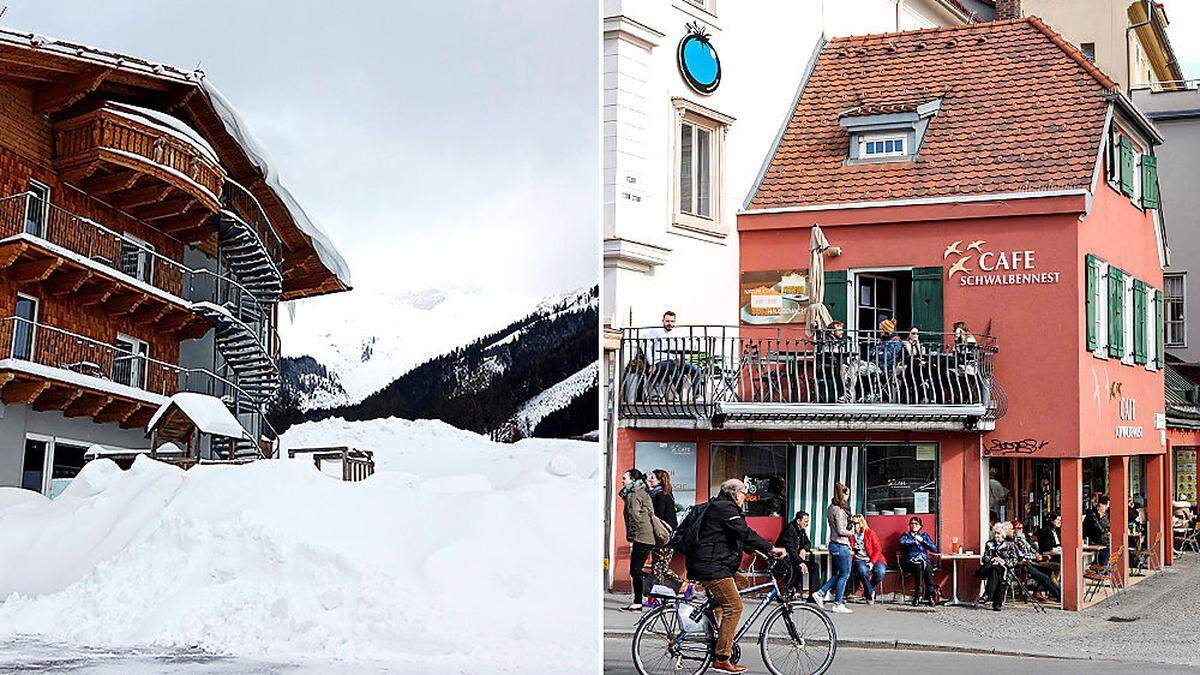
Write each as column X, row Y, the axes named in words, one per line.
column 677, row 459
column 763, row 467
column 901, row 479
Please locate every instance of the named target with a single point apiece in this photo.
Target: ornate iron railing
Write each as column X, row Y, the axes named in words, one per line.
column 692, row 371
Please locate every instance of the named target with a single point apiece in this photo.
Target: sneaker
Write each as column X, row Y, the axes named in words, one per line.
column 870, row 601
column 830, row 595
column 819, row 598
column 634, row 607
column 841, row 608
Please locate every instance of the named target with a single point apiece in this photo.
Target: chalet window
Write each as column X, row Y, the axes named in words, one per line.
column 66, row 461
column 698, row 174
column 24, row 329
column 1175, row 310
column 33, row 469
column 37, row 208
column 137, row 259
column 129, row 363
column 892, row 145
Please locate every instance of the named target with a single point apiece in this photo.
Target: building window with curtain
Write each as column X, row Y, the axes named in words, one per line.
column 698, row 175
column 901, row 479
column 763, row 467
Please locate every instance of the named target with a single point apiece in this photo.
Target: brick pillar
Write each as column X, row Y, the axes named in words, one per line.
column 1070, row 486
column 1118, row 512
column 1158, row 512
column 1008, row 9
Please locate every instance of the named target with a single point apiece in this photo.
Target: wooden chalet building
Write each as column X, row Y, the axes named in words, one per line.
column 145, row 243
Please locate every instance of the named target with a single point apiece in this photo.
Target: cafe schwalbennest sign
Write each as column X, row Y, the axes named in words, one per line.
column 974, row 264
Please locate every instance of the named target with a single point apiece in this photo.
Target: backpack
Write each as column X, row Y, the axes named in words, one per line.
column 686, row 538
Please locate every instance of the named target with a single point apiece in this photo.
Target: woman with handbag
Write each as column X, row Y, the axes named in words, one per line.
column 663, row 499
column 639, row 530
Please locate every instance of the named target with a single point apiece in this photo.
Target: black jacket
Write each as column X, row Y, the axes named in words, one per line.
column 723, row 536
column 793, row 539
column 664, row 508
column 1048, row 538
column 1095, row 528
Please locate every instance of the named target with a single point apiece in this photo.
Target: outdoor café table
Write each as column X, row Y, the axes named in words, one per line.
column 1090, row 551
column 955, row 557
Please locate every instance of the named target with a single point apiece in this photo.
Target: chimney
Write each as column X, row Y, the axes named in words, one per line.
column 1008, row 9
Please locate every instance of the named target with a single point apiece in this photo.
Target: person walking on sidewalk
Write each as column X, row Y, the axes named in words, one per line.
column 639, row 530
column 869, row 564
column 837, row 516
column 793, row 538
column 722, row 537
column 663, row 498
column 915, row 547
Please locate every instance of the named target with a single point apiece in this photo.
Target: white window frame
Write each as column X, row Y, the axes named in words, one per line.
column 683, row 222
column 37, row 310
column 47, row 458
column 145, row 258
column 1100, row 300
column 38, row 186
column 864, row 139
column 1183, row 299
column 141, row 364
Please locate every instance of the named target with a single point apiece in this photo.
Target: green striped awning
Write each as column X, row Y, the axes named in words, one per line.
column 818, row 468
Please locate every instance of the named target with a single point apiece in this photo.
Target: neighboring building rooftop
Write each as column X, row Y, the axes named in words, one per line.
column 1182, row 390
column 1021, row 111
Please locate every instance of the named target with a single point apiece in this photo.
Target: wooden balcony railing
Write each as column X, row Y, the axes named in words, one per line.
column 713, row 373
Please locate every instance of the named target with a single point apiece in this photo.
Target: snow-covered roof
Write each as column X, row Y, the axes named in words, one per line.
column 209, row 414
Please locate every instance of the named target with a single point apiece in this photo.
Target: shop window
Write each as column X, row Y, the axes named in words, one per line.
column 677, row 459
column 764, row 470
column 901, row 479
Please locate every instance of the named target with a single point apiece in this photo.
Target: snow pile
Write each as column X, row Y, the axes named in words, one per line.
column 458, row 555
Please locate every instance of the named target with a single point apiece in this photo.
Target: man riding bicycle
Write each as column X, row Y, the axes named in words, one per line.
column 722, row 537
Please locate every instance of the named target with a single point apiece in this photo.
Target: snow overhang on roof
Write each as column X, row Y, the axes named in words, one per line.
column 208, row 414
column 312, row 264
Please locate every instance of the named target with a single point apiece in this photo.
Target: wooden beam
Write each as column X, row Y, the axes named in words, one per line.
column 125, row 304
column 116, row 410
column 87, row 405
column 177, row 101
column 114, row 182
column 93, row 298
column 150, row 312
column 165, row 209
column 139, row 418
column 11, row 252
column 128, row 199
column 23, row 391
column 69, row 90
column 68, row 283
column 184, row 222
column 194, row 327
column 34, row 271
column 57, row 399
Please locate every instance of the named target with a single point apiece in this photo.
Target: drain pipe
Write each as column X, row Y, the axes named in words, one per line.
column 1128, row 68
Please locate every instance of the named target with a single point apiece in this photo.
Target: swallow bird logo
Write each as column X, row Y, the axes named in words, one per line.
column 952, row 248
column 976, row 245
column 960, row 266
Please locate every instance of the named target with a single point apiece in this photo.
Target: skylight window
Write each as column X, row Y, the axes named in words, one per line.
column 881, row 146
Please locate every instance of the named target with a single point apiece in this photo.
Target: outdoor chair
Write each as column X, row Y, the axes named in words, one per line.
column 902, row 587
column 1151, row 556
column 1189, row 539
column 1025, row 588
column 1105, row 577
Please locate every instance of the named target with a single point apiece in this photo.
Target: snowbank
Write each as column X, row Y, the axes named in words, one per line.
column 459, row 555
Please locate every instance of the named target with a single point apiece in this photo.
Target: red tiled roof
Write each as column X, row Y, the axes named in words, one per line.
column 1022, row 110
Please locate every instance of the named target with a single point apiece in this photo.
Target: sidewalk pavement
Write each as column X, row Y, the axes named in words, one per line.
column 884, row 625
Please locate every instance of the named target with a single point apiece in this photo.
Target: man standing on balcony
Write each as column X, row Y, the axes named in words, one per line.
column 669, row 352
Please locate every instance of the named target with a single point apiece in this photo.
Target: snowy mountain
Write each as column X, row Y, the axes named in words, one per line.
column 536, row 376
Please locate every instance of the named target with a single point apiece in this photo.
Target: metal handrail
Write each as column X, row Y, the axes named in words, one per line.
column 693, row 370
column 233, row 200
column 79, row 234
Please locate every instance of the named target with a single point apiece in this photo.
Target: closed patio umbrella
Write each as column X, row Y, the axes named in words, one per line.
column 817, row 314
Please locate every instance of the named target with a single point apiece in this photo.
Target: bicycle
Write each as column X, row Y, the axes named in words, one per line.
column 679, row 636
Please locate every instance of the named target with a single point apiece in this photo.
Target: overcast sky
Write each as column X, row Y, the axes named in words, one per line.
column 437, row 142
column 1184, row 30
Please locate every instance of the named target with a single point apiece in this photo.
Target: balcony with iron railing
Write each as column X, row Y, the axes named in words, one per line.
column 126, row 264
column 55, row 369
column 717, row 376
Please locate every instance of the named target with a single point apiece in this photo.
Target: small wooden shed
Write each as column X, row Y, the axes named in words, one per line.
column 185, row 416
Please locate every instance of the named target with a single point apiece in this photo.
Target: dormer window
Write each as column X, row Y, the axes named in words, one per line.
column 887, row 131
column 882, row 146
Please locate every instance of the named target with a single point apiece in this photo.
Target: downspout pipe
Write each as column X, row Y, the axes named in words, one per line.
column 1128, row 69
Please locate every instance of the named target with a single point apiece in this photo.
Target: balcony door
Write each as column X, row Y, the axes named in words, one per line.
column 33, row 469
column 24, row 327
column 129, row 364
column 137, row 258
column 37, row 208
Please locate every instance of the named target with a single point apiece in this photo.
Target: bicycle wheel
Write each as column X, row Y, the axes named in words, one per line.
column 797, row 639
column 661, row 646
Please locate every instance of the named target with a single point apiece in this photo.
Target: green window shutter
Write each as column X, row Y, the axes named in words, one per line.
column 835, row 294
column 1139, row 321
column 1127, row 155
column 1159, row 358
column 1149, row 182
column 1116, row 313
column 927, row 313
column 1089, row 301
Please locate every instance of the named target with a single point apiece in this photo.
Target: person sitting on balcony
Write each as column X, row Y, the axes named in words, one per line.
column 915, row 547
column 1096, row 530
column 1031, row 558
column 885, row 354
column 667, row 353
column 869, row 564
column 915, row 363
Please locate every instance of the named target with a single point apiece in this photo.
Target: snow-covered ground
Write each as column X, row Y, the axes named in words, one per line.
column 557, row 397
column 458, row 555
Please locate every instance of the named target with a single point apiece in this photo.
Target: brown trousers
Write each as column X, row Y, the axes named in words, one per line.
column 724, row 593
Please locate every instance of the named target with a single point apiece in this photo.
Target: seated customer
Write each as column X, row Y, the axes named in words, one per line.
column 1048, row 537
column 1025, row 553
column 915, row 547
column 1096, row 530
column 793, row 538
column 996, row 566
column 869, row 565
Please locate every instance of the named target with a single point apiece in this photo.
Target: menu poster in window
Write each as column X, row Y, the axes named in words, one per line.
column 1185, row 475
column 678, row 460
column 920, row 502
column 773, row 296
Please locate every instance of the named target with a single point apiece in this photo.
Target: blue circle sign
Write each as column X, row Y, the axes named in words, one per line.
column 699, row 63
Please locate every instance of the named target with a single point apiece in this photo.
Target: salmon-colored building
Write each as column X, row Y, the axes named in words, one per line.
column 988, row 174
